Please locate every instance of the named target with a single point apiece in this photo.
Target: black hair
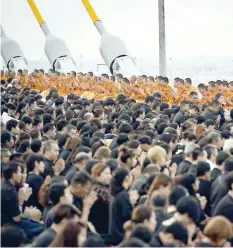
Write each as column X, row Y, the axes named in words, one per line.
column 94, row 241
column 48, row 127
column 141, row 232
column 189, row 205
column 11, row 124
column 5, row 137
column 209, row 122
column 202, row 168
column 23, row 146
column 36, row 145
column 47, row 118
column 116, row 185
column 179, row 232
column 90, row 164
column 125, row 128
column 81, row 177
column 221, row 157
column 11, row 168
column 61, row 124
column 26, row 119
column 31, row 159
column 12, row 236
column 56, row 191
column 228, row 165
column 112, row 164
column 197, row 152
column 229, row 180
column 145, row 140
column 176, row 194
column 122, row 139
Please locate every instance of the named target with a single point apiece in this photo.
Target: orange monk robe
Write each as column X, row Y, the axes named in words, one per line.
column 181, row 94
column 191, row 89
column 167, row 94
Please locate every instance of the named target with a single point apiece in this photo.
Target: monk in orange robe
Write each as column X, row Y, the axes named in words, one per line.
column 188, row 85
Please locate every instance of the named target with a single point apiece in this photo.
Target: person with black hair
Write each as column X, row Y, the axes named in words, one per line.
column 219, row 187
column 175, row 195
column 12, row 237
column 225, row 205
column 174, row 234
column 48, row 132
column 36, row 146
column 12, row 127
column 210, row 125
column 121, row 206
column 181, row 116
column 58, row 193
column 28, row 122
column 60, row 126
column 12, row 200
column 203, row 174
column 7, row 140
column 35, row 166
column 37, row 123
column 62, row 214
column 219, row 168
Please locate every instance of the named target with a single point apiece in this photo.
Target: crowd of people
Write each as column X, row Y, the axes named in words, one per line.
column 91, row 161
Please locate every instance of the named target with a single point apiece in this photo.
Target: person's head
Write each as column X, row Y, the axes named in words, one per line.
column 12, row 236
column 203, row 170
column 59, row 193
column 220, row 159
column 35, row 163
column 60, row 126
column 142, row 214
column 103, row 153
column 7, row 140
column 12, row 126
column 157, row 155
column 176, row 194
column 35, row 134
column 161, row 185
column 81, row 184
column 28, row 122
column 214, row 106
column 220, row 98
column 51, row 150
column 212, row 152
column 218, row 230
column 71, row 130
column 80, row 160
column 101, row 173
column 146, row 142
column 121, row 180
column 174, row 234
column 210, row 125
column 198, row 155
column 5, row 155
column 189, row 210
column 13, row 172
column 49, row 130
column 215, row 139
column 228, row 164
column 194, row 110
column 184, row 105
column 36, row 146
column 73, row 234
column 127, row 158
column 37, row 123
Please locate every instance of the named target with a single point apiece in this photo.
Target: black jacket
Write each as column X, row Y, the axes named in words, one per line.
column 179, row 118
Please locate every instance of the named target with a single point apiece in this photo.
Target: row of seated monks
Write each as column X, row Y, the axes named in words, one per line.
column 93, row 87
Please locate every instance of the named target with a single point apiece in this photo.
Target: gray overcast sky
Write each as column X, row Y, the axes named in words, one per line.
column 194, row 27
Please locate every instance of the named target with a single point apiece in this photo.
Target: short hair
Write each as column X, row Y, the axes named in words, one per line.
column 81, row 177
column 56, row 191
column 221, row 157
column 35, row 134
column 125, row 128
column 188, row 151
column 189, row 205
column 122, row 139
column 176, row 194
column 210, row 150
column 80, row 157
column 61, row 124
column 31, row 159
column 178, row 230
column 48, row 127
column 145, row 140
column 133, row 144
column 141, row 232
column 12, row 236
column 11, row 124
column 202, row 168
column 36, row 121
column 209, row 122
column 11, row 168
column 184, row 102
column 36, row 145
column 214, row 136
column 228, row 165
column 26, row 119
column 5, row 137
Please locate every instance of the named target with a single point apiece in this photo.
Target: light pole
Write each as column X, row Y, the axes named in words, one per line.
column 162, row 40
